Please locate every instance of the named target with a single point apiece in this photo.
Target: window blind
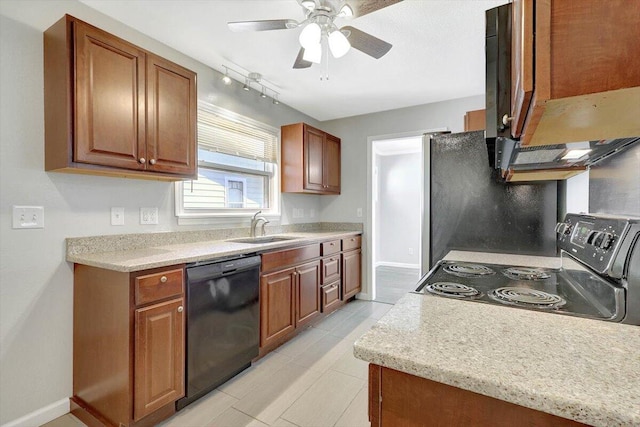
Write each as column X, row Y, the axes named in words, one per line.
column 223, row 131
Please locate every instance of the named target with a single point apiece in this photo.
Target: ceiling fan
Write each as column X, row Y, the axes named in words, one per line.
column 319, row 28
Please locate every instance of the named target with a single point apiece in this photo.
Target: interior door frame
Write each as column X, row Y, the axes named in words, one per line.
column 369, row 261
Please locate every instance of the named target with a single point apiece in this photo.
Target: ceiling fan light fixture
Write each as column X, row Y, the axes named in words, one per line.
column 246, row 85
column 262, row 94
column 345, row 12
column 310, row 35
column 308, row 4
column 313, row 53
column 275, row 99
column 338, row 44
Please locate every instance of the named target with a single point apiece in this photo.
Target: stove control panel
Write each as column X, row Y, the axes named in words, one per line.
column 592, row 239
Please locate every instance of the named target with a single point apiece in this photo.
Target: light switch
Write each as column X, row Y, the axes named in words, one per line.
column 117, row 216
column 28, row 217
column 359, row 212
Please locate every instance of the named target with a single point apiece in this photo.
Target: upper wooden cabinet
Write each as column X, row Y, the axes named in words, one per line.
column 310, row 160
column 475, row 120
column 578, row 79
column 112, row 108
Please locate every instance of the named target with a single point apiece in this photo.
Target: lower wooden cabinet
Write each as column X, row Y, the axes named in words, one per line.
column 400, row 399
column 289, row 299
column 159, row 356
column 128, row 345
column 299, row 286
column 351, row 273
column 277, row 306
column 307, row 293
column 330, row 295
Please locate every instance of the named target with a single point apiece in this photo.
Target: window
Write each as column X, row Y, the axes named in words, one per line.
column 237, row 167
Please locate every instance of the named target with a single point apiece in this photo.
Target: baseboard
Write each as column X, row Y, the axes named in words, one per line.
column 396, row 264
column 42, row 415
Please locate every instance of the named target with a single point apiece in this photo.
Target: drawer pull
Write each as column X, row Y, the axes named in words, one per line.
column 332, row 244
column 180, row 309
column 163, row 279
column 353, row 240
column 142, row 160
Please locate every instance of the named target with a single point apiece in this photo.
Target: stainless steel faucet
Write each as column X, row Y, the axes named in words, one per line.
column 254, row 223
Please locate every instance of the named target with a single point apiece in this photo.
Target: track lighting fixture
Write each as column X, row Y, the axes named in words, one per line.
column 226, row 79
column 249, row 79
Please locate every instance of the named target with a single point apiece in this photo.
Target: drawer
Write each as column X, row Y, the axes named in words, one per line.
column 157, row 286
column 350, row 243
column 281, row 259
column 330, row 296
column 330, row 269
column 330, row 248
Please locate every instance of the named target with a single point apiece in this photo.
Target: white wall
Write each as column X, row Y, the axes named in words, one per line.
column 399, row 192
column 35, row 280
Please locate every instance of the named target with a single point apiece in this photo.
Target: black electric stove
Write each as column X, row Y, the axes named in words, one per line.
column 599, row 277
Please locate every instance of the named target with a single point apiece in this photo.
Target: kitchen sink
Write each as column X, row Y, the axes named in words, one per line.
column 262, row 239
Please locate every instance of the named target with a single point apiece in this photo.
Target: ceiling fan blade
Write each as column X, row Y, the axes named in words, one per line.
column 366, row 43
column 363, row 7
column 300, row 62
column 267, row 25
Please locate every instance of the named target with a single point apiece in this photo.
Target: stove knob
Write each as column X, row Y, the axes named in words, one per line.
column 607, row 239
column 563, row 228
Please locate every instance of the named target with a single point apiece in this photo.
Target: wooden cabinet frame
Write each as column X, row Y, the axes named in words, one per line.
column 310, row 160
column 128, row 345
column 112, row 108
column 570, row 82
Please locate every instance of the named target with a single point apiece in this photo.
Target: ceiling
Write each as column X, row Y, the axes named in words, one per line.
column 437, row 54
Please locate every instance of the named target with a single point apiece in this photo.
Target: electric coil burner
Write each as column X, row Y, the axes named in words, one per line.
column 525, row 273
column 599, row 277
column 468, row 270
column 523, row 297
column 452, row 290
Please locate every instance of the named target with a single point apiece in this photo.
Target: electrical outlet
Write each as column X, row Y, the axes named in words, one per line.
column 359, row 212
column 28, row 217
column 410, row 251
column 148, row 216
column 117, row 216
column 312, row 213
column 298, row 213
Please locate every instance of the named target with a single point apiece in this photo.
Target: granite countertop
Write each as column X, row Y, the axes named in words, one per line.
column 105, row 252
column 581, row 369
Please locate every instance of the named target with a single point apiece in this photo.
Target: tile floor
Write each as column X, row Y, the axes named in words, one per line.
column 312, row 381
column 392, row 283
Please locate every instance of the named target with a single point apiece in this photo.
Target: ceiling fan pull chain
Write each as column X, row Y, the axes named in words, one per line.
column 324, row 66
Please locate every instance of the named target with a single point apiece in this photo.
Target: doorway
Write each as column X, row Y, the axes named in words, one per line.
column 397, row 192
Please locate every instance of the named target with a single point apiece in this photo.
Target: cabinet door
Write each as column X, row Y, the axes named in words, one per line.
column 313, row 159
column 277, row 297
column 110, row 100
column 159, row 356
column 332, row 164
column 171, row 117
column 521, row 63
column 351, row 271
column 308, row 292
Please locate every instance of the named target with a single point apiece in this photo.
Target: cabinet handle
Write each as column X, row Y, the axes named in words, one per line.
column 163, row 279
column 332, row 244
column 152, row 161
column 142, row 160
column 506, row 120
column 353, row 240
column 180, row 309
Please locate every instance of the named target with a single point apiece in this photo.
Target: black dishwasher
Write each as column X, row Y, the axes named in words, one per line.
column 223, row 322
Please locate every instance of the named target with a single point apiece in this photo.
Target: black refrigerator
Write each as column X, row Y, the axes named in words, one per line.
column 468, row 209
